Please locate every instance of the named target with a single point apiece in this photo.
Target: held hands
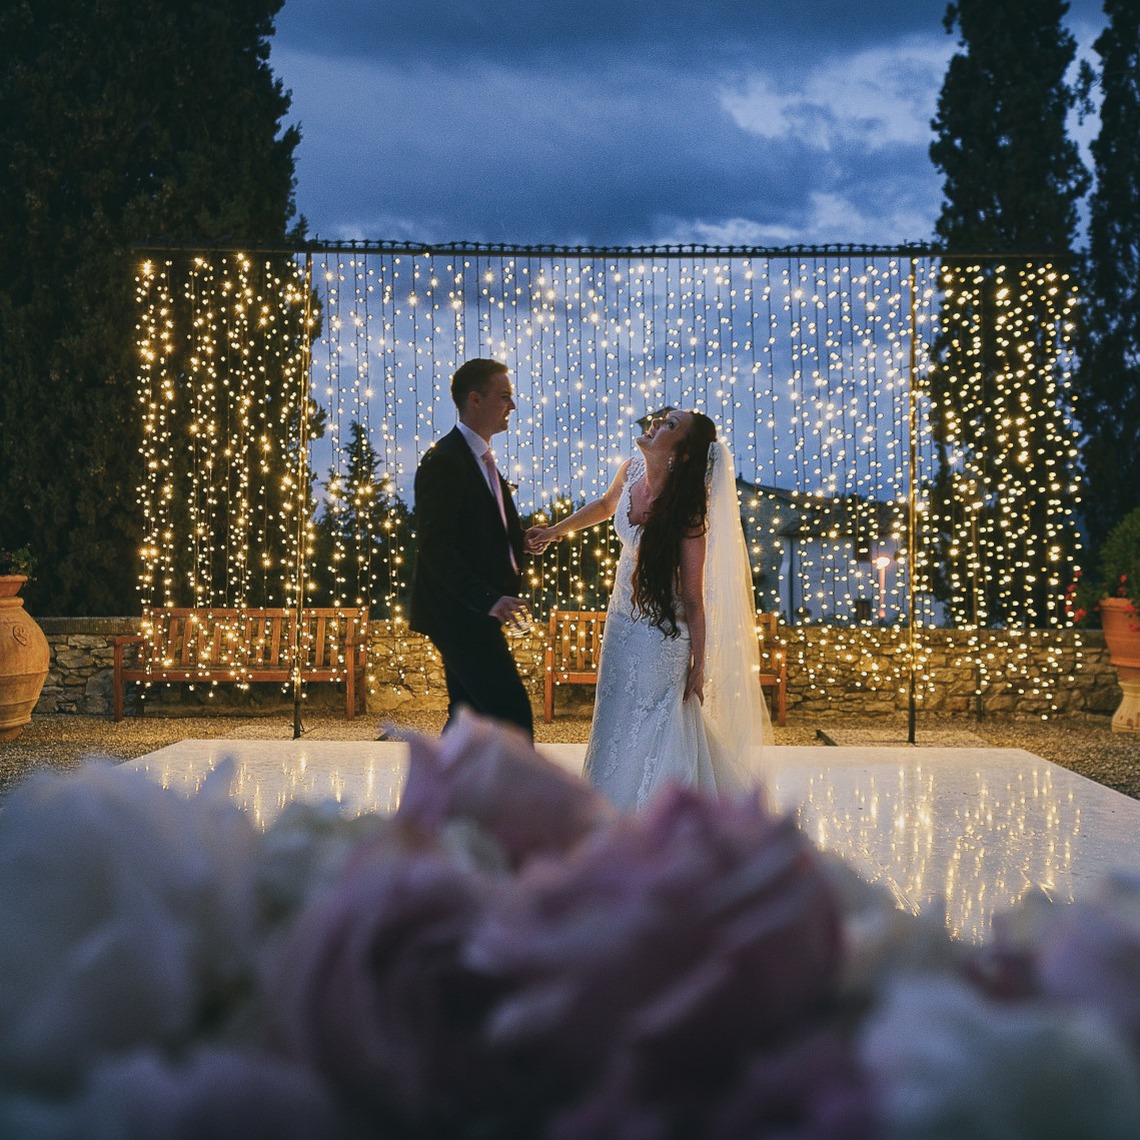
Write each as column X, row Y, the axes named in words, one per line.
column 538, row 538
column 512, row 614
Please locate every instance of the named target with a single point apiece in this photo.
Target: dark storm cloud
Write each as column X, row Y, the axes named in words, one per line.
column 547, row 31
column 520, row 159
column 722, row 121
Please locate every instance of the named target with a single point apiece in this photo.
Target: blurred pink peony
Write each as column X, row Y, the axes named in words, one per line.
column 681, row 937
column 814, row 1089
column 368, row 987
column 490, row 773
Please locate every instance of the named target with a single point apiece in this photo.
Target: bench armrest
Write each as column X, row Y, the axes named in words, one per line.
column 120, row 641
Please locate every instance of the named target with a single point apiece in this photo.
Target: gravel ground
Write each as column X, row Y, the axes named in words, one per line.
column 1086, row 745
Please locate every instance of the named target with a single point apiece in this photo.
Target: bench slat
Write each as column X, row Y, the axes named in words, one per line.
column 275, row 644
column 178, row 641
column 255, row 640
column 320, row 650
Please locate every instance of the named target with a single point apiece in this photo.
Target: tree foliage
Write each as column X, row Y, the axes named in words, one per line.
column 119, row 122
column 364, row 546
column 1004, row 495
column 1012, row 177
column 1109, row 377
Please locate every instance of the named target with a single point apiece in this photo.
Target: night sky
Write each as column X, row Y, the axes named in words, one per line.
column 706, row 121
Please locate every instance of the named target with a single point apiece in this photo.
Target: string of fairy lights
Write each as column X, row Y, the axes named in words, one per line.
column 815, row 365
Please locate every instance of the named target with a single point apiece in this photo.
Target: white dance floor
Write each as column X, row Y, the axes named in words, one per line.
column 975, row 827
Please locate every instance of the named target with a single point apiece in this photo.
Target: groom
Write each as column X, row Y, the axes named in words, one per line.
column 466, row 581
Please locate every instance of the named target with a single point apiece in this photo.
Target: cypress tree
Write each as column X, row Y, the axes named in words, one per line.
column 1108, row 382
column 1003, row 500
column 119, row 122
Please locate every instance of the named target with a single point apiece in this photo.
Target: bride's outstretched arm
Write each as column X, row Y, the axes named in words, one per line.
column 538, row 538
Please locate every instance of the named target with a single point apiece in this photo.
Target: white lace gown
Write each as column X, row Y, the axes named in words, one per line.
column 644, row 736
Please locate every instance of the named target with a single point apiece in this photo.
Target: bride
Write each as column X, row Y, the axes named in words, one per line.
column 678, row 696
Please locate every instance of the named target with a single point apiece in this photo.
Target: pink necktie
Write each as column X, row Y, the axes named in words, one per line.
column 497, row 491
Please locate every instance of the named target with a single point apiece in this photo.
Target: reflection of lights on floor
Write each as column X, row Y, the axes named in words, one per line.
column 971, row 828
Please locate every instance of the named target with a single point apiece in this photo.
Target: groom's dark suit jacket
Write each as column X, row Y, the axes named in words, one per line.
column 462, row 564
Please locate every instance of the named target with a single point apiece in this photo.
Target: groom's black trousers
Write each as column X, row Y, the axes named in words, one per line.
column 481, row 673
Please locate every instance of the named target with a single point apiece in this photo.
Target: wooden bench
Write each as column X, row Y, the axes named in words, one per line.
column 204, row 645
column 773, row 665
column 574, row 645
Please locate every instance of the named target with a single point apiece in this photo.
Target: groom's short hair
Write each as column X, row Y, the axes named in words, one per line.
column 473, row 375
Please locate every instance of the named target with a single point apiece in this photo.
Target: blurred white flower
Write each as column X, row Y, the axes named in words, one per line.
column 304, row 851
column 126, row 916
column 215, row 1093
column 951, row 1064
column 881, row 940
column 1090, row 953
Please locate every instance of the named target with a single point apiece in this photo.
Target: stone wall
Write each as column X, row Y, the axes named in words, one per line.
column 82, row 662
column 831, row 671
column 856, row 671
column 865, row 671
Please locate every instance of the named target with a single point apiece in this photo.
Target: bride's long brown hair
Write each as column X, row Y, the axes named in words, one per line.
column 679, row 510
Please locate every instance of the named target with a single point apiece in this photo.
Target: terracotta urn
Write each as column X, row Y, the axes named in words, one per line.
column 24, row 659
column 1122, row 635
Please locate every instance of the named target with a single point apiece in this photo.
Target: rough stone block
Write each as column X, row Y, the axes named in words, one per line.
column 1001, row 702
column 86, row 641
column 417, row 684
column 100, row 685
column 1103, row 700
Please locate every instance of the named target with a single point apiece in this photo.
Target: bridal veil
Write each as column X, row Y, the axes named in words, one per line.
column 735, row 711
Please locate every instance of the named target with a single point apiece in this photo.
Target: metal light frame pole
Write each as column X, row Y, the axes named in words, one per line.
column 302, row 482
column 912, row 507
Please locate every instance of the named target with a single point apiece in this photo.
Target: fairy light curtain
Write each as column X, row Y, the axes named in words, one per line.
column 223, row 379
column 1002, row 534
column 814, row 363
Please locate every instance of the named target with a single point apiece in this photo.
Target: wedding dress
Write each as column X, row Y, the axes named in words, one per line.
column 644, row 736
